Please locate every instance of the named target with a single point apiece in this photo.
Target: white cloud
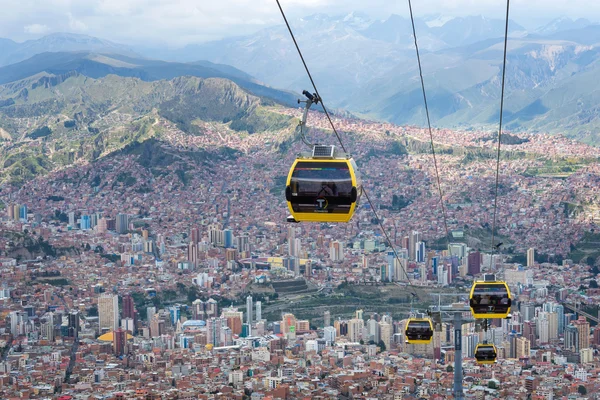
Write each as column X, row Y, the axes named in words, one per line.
column 75, row 24
column 36, row 29
column 178, row 22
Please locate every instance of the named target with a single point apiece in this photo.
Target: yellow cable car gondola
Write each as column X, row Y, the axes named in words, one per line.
column 485, row 353
column 324, row 186
column 490, row 298
column 419, row 331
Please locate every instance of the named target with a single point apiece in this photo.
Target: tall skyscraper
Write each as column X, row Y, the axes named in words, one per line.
column 391, row 264
column 559, row 309
column 234, row 319
column 528, row 311
column 583, row 328
column 258, row 310
column 474, row 263
column 119, row 341
column 150, row 311
column 415, row 237
column 214, row 331
column 572, row 338
column 47, row 326
column 243, row 243
column 193, row 253
column 108, row 312
column 336, row 251
column 355, row 328
column 122, row 223
column 386, row 331
column 523, row 347
column 326, row 318
column 531, row 257
column 73, row 324
column 195, row 235
column 329, row 334
column 228, row 238
column 128, row 307
column 420, row 252
column 249, row 310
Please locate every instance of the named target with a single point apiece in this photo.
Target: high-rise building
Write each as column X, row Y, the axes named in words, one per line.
column 400, row 267
column 373, row 331
column 457, row 249
column 195, row 235
column 583, row 328
column 214, row 331
column 355, row 328
column 523, row 347
column 552, row 325
column 249, row 306
column 243, row 243
column 234, row 319
column 175, row 314
column 420, row 252
column 336, row 251
column 73, row 324
column 192, row 253
column 474, row 263
column 122, row 223
column 572, row 338
column 258, row 311
column 329, row 334
column 119, row 341
column 102, row 226
column 528, row 311
column 414, row 238
column 128, row 307
column 288, row 324
column 228, row 238
column 391, row 264
column 559, row 309
column 531, row 257
column 386, row 331
column 108, row 312
column 326, row 318
column 128, row 325
column 150, row 311
column 47, row 326
column 85, row 223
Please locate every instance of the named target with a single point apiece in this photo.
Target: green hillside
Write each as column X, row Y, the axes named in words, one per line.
column 52, row 121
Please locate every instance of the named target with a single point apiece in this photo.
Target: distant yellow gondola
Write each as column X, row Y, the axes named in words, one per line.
column 485, row 353
column 490, row 299
column 419, row 331
column 324, row 186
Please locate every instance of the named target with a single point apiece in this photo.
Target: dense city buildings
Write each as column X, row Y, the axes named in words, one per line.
column 199, row 289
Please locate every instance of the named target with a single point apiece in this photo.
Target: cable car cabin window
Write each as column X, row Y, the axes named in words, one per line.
column 419, row 326
column 490, row 299
column 485, row 353
column 321, row 187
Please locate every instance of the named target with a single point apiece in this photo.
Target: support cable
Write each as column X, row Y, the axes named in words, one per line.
column 493, row 245
column 414, row 292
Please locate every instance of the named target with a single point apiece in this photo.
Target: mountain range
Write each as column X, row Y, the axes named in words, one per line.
column 368, row 68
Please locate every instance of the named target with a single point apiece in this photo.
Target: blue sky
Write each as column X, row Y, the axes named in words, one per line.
column 179, row 22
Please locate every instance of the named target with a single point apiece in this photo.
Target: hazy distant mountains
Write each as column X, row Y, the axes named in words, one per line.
column 12, row 52
column 97, row 65
column 369, row 68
